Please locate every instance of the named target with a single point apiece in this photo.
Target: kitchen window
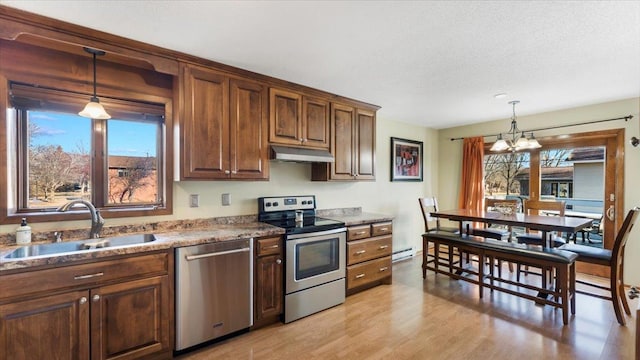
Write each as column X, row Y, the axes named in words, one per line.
column 117, row 164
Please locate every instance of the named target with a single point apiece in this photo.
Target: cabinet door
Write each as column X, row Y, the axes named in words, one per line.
column 249, row 156
column 285, row 117
column 315, row 125
column 365, row 145
column 53, row 327
column 268, row 286
column 205, row 133
column 342, row 146
column 131, row 319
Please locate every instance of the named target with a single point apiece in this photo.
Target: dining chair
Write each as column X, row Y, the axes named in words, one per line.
column 614, row 260
column 530, row 207
column 432, row 224
column 498, row 233
column 427, row 206
column 596, row 229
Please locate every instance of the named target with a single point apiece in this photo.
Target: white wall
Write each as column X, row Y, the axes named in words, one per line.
column 398, row 199
column 450, row 156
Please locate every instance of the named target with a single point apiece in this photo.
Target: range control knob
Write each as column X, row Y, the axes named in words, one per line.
column 275, row 203
column 304, row 202
column 310, row 202
column 267, row 204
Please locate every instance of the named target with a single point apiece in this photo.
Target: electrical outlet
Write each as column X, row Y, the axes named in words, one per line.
column 226, row 199
column 194, row 200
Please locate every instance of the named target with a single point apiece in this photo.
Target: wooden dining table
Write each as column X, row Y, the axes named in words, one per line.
column 543, row 223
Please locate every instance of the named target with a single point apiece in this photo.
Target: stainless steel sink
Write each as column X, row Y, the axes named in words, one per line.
column 75, row 246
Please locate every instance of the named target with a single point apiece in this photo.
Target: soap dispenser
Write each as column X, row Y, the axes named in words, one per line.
column 23, row 233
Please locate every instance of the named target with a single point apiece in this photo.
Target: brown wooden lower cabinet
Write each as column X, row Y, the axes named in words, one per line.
column 268, row 284
column 124, row 319
column 368, row 255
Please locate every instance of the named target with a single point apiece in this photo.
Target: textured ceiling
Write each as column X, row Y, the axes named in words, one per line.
column 436, row 63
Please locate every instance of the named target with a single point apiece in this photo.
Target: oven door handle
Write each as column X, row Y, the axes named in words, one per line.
column 220, row 253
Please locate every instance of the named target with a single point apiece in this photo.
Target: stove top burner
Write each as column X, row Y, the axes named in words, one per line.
column 281, row 212
column 309, row 224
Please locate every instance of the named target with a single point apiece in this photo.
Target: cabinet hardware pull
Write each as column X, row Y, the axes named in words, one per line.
column 95, row 298
column 384, row 268
column 83, row 300
column 234, row 172
column 382, row 247
column 383, row 229
column 88, row 276
column 227, row 172
column 359, row 276
column 271, row 247
column 278, row 261
column 361, row 232
column 196, row 257
column 360, row 252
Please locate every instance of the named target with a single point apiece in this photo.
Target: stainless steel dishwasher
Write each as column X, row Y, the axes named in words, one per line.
column 214, row 291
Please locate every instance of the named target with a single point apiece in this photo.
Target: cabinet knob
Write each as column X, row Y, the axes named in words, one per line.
column 234, row 172
column 227, row 172
column 279, row 261
column 83, row 300
column 95, row 298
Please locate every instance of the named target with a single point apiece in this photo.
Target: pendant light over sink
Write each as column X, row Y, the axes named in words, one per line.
column 94, row 109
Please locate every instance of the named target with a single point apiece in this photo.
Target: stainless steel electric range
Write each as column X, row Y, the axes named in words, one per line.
column 315, row 254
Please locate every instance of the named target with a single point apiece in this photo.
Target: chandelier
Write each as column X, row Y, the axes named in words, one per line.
column 515, row 139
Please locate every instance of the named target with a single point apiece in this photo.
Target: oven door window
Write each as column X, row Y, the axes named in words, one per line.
column 316, row 258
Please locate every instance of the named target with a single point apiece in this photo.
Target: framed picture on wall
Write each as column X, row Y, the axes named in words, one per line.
column 406, row 160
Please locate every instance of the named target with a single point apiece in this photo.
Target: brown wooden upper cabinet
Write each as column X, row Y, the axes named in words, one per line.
column 224, row 127
column 298, row 120
column 353, row 132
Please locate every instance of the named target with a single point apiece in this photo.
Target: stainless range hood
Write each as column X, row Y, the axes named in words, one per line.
column 286, row 153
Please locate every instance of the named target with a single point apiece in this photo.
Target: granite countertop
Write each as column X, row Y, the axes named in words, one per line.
column 164, row 241
column 174, row 234
column 353, row 216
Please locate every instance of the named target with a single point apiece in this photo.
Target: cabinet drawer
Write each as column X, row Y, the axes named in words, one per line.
column 367, row 272
column 381, row 229
column 86, row 274
column 363, row 250
column 358, row 232
column 270, row 246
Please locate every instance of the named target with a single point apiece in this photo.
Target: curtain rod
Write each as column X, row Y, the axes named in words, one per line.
column 625, row 118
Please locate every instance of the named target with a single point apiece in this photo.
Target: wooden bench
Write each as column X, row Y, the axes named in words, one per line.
column 560, row 263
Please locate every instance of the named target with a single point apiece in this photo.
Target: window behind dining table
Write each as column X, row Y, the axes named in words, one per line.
column 506, row 175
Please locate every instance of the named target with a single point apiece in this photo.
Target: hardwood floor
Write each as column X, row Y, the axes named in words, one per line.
column 437, row 318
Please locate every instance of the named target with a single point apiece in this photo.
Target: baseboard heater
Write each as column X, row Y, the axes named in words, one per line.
column 403, row 254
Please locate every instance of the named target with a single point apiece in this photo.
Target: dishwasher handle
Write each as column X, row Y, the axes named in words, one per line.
column 212, row 254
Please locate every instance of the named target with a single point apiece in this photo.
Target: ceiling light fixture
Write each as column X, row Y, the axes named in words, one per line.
column 500, row 96
column 515, row 139
column 94, row 109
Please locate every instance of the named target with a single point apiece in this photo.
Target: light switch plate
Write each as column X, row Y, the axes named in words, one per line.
column 226, row 199
column 194, row 200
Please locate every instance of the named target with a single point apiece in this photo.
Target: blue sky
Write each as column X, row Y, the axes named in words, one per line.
column 71, row 131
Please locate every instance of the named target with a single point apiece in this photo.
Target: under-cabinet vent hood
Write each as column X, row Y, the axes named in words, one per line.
column 286, row 153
